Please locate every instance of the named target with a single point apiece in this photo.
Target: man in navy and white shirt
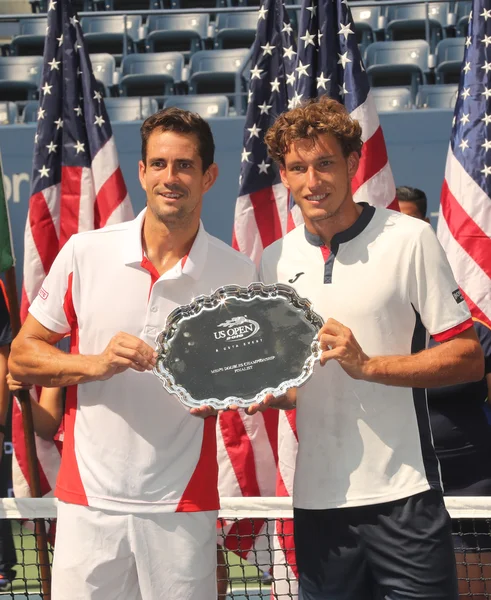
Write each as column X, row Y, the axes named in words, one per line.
column 369, row 516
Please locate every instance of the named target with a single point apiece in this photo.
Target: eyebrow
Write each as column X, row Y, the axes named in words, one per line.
column 299, row 162
column 156, row 158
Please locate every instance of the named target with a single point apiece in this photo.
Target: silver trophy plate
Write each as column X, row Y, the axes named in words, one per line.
column 238, row 344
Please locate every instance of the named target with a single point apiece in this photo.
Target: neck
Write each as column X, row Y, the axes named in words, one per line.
column 165, row 245
column 327, row 228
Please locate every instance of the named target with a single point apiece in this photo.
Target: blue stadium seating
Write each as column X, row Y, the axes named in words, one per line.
column 437, row 96
column 106, row 33
column 367, row 21
column 397, row 63
column 449, row 55
column 130, row 109
column 462, row 11
column 8, row 113
column 184, row 33
column 30, row 112
column 392, row 98
column 128, row 4
column 409, row 21
column 206, row 105
column 30, row 40
column 151, row 74
column 235, row 29
column 214, row 71
column 20, row 77
column 104, row 68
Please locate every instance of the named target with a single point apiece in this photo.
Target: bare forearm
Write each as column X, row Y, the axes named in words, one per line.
column 434, row 367
column 39, row 363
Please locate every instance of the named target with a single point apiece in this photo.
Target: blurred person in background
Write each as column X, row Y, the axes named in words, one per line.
column 462, row 439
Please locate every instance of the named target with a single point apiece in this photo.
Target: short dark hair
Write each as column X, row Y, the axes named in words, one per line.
column 180, row 121
column 405, row 193
column 309, row 120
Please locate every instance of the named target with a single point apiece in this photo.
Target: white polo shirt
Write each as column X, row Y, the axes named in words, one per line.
column 129, row 445
column 388, row 280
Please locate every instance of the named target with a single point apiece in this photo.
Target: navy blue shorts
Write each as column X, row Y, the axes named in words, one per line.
column 398, row 550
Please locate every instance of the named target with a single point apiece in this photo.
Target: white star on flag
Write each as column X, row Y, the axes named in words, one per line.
column 97, row 96
column 466, row 92
column 345, row 30
column 46, row 88
column 79, row 147
column 343, row 59
column 51, row 147
column 44, row 171
column 54, row 64
column 464, row 119
column 99, row 121
column 59, row 123
column 60, row 40
column 275, row 85
column 52, row 5
column 486, row 171
column 245, row 156
column 308, row 38
column 464, row 145
column 256, row 72
column 254, row 130
column 342, row 90
column 487, row 145
column 78, row 110
column 287, row 28
column 302, row 69
column 486, row 66
column 486, row 40
column 321, row 81
column 313, row 10
column 289, row 52
column 268, row 49
column 263, row 167
column 262, row 13
column 290, row 78
column 467, row 67
column 265, row 108
column 486, row 119
column 486, row 93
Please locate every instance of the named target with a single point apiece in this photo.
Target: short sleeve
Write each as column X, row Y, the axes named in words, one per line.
column 484, row 335
column 53, row 306
column 433, row 290
column 5, row 326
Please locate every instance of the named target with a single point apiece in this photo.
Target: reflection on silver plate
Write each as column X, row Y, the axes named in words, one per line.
column 238, row 344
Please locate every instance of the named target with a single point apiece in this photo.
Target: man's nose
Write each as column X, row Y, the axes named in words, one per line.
column 313, row 179
column 171, row 173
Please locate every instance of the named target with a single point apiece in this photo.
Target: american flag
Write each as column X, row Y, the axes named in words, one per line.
column 262, row 212
column 464, row 223
column 76, row 183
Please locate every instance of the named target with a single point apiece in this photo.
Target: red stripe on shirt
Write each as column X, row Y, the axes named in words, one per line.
column 201, row 493
column 465, row 230
column 69, row 486
column 267, row 217
column 43, row 231
column 453, row 331
column 71, row 190
column 373, row 159
column 476, row 312
column 110, row 196
column 240, row 451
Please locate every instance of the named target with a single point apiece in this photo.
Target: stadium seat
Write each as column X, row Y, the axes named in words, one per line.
column 104, row 68
column 407, row 22
column 8, row 113
column 367, row 21
column 128, row 4
column 397, row 63
column 215, row 71
column 449, row 55
column 41, row 6
column 206, row 106
column 20, row 77
column 462, row 12
column 130, row 109
column 392, row 98
column 437, row 96
column 151, row 74
column 30, row 112
column 177, row 33
column 30, row 40
column 235, row 29
column 190, row 4
column 106, row 33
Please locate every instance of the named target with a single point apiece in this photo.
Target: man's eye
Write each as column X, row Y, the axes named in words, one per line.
column 185, row 165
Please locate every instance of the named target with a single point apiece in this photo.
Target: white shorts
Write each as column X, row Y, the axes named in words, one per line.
column 103, row 555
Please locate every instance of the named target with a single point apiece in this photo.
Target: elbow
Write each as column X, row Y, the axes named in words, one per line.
column 476, row 369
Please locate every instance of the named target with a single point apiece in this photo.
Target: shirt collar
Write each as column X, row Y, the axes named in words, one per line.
column 193, row 264
column 348, row 234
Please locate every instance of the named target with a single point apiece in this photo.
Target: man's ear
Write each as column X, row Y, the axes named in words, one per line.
column 353, row 163
column 210, row 177
column 283, row 177
column 141, row 174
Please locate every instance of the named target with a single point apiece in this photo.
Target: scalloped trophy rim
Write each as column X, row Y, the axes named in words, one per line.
column 214, row 300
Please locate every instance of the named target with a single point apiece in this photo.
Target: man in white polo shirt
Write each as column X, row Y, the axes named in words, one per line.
column 369, row 517
column 138, row 480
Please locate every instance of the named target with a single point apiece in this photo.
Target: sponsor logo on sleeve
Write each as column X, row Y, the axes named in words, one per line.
column 43, row 294
column 457, row 295
column 293, row 279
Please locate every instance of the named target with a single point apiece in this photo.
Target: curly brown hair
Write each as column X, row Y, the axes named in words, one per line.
column 313, row 118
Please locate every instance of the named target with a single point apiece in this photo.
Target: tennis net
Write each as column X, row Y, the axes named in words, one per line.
column 256, row 551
